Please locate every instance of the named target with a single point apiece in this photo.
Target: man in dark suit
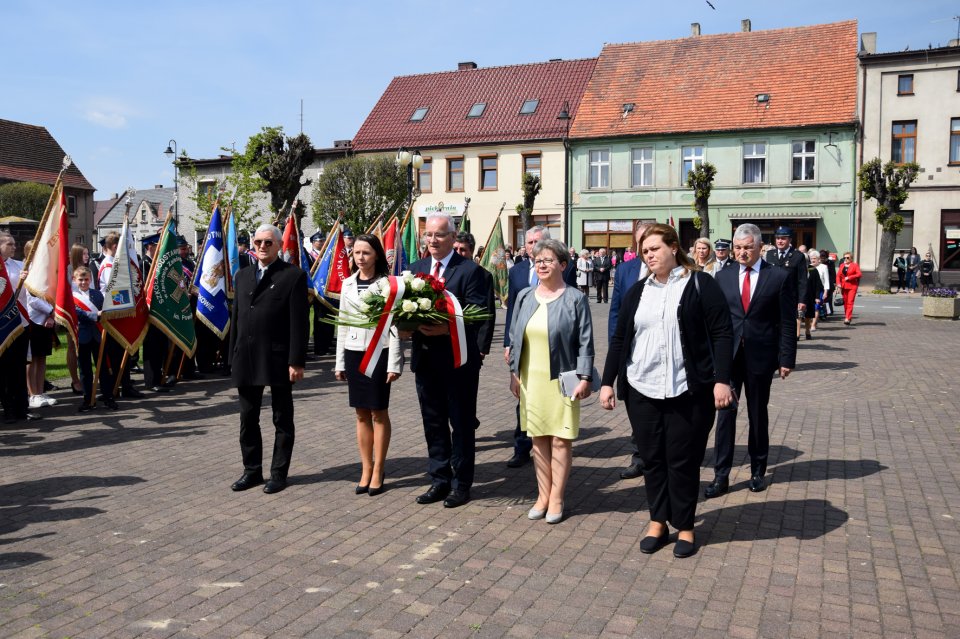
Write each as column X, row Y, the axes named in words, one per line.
column 465, row 245
column 793, row 261
column 268, row 347
column 722, row 250
column 763, row 303
column 448, row 394
column 520, row 277
column 601, row 275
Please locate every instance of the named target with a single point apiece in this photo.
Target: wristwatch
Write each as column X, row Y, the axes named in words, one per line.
column 584, row 378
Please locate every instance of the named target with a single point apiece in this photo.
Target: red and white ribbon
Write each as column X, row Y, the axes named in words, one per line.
column 381, row 335
column 458, row 337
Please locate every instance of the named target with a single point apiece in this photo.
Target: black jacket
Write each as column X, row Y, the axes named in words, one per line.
column 705, row 335
column 796, row 263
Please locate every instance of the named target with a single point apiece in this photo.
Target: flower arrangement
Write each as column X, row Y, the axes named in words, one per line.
column 423, row 302
column 940, row 292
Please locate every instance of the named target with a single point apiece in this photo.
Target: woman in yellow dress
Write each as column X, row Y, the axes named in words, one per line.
column 551, row 333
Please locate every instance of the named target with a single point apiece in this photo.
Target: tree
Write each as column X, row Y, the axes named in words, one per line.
column 235, row 192
column 280, row 162
column 700, row 179
column 24, row 199
column 889, row 185
column 360, row 188
column 531, row 188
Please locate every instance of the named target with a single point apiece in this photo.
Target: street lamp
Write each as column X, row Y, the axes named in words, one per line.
column 171, row 152
column 409, row 161
column 564, row 116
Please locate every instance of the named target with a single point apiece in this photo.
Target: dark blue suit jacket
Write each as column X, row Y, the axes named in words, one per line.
column 518, row 278
column 628, row 274
column 768, row 329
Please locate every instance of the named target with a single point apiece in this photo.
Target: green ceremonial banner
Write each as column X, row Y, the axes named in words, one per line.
column 410, row 240
column 168, row 294
column 495, row 260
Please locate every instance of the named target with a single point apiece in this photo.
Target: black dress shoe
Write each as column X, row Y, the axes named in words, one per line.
column 31, row 417
column 631, row 471
column 131, row 393
column 111, row 404
column 47, row 387
column 684, row 548
column 359, row 490
column 716, row 488
column 651, row 544
column 518, row 460
column 456, row 499
column 373, row 491
column 84, row 407
column 247, row 482
column 757, row 485
column 437, row 492
column 274, row 486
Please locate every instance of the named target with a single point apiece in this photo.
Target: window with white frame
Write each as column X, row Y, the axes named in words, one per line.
column 641, row 161
column 804, row 160
column 599, row 169
column 692, row 158
column 754, row 162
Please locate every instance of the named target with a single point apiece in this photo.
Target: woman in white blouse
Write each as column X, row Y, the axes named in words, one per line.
column 670, row 356
column 369, row 396
column 824, row 273
column 585, row 272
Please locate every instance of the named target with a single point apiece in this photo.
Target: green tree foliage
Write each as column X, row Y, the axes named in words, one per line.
column 530, row 186
column 24, row 199
column 236, row 191
column 888, row 184
column 360, row 188
column 280, row 162
column 701, row 181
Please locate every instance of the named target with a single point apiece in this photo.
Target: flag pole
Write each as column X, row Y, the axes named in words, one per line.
column 169, row 360
column 153, row 262
column 313, row 269
column 183, row 359
column 58, row 183
column 96, row 373
column 374, row 225
column 123, row 366
column 494, row 227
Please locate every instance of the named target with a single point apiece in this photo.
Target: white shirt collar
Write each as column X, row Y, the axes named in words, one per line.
column 443, row 262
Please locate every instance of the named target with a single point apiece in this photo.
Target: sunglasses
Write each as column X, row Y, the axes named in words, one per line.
column 263, row 242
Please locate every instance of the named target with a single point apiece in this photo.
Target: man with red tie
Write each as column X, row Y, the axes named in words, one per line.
column 763, row 304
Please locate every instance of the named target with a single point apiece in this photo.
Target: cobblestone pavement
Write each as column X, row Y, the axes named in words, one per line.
column 123, row 525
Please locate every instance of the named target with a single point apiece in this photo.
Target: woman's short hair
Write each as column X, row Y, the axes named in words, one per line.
column 381, row 266
column 277, row 235
column 668, row 236
column 558, row 248
column 584, row 253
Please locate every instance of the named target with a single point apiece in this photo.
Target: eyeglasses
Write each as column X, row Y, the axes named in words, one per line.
column 847, row 257
column 265, row 243
column 545, row 261
column 438, row 236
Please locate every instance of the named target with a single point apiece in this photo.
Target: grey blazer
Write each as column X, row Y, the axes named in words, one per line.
column 570, row 331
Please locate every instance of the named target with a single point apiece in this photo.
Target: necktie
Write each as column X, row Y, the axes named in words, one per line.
column 745, row 291
column 534, row 280
column 782, row 256
column 436, row 270
column 259, row 274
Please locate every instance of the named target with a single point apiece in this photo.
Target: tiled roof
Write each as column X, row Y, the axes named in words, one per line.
column 102, row 207
column 30, row 154
column 448, row 97
column 159, row 201
column 710, row 83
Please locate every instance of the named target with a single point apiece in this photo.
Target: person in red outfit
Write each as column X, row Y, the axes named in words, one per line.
column 848, row 281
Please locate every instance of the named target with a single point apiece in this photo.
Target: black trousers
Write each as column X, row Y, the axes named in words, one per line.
column 322, row 332
column 522, row 444
column 672, row 437
column 155, row 346
column 113, row 357
column 251, row 443
column 86, row 360
column 602, row 290
column 13, row 377
column 448, row 405
column 758, row 441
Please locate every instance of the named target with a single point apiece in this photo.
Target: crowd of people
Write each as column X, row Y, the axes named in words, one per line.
column 688, row 331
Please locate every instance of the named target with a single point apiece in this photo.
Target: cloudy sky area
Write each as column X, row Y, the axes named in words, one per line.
column 114, row 81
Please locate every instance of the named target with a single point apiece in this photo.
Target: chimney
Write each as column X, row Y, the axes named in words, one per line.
column 466, row 66
column 342, row 144
column 115, row 196
column 868, row 42
column 158, row 186
column 745, row 25
column 694, row 28
column 954, row 43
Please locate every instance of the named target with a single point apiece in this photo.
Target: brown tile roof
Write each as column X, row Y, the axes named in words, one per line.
column 449, row 96
column 30, row 154
column 710, row 82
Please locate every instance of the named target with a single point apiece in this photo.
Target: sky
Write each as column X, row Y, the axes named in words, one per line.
column 114, row 82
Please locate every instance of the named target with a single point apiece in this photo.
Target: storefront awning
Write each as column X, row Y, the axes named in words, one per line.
column 785, row 215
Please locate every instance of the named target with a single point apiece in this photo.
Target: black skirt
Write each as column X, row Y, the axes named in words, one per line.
column 370, row 393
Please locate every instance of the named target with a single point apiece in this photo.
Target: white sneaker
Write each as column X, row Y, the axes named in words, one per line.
column 36, row 401
column 48, row 401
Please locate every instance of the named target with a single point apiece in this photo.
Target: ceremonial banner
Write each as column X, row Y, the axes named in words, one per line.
column 213, row 306
column 495, row 260
column 391, row 244
column 168, row 294
column 464, row 223
column 332, row 268
column 410, row 243
column 49, row 275
column 125, row 309
column 12, row 321
column 233, row 253
column 290, row 253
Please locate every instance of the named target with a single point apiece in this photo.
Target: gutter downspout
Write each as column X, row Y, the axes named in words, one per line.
column 859, row 199
column 567, row 231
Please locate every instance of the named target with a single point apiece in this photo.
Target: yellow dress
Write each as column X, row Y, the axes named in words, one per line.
column 542, row 410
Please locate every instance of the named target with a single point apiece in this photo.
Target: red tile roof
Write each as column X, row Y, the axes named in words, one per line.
column 30, row 154
column 449, row 96
column 710, row 82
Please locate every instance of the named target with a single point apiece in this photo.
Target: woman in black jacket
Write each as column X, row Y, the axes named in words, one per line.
column 670, row 356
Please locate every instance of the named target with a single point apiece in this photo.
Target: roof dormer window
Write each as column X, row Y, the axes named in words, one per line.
column 529, row 107
column 419, row 114
column 477, row 110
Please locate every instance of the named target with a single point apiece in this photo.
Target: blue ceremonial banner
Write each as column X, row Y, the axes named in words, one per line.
column 213, row 308
column 321, row 270
column 305, row 265
column 233, row 252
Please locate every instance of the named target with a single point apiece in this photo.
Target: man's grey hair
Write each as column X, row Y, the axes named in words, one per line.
column 748, row 230
column 558, row 248
column 451, row 227
column 542, row 230
column 277, row 235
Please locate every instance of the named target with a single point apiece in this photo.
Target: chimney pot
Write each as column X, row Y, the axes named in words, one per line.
column 158, row 186
column 694, row 28
column 868, row 42
column 466, row 66
column 745, row 25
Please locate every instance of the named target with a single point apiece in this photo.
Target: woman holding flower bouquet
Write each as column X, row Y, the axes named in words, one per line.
column 551, row 333
column 369, row 396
